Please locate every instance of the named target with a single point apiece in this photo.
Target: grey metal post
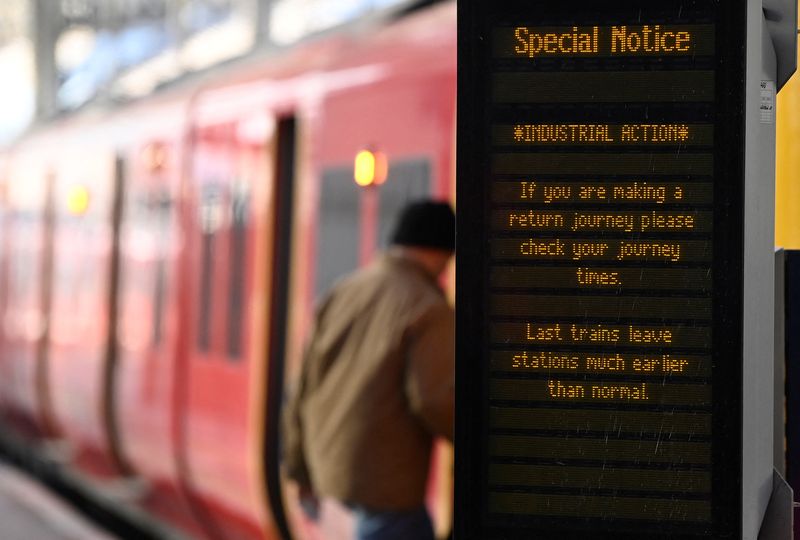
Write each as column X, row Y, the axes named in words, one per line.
column 46, row 25
column 263, row 10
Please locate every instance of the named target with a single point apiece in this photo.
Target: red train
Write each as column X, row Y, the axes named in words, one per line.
column 159, row 264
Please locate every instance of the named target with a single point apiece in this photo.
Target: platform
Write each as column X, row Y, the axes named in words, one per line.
column 30, row 511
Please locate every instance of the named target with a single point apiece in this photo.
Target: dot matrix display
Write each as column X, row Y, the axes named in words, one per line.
column 603, row 242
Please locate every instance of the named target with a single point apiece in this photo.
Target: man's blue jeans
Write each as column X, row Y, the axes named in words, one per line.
column 408, row 525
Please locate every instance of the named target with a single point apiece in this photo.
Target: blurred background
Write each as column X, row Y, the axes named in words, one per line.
column 180, row 182
column 58, row 55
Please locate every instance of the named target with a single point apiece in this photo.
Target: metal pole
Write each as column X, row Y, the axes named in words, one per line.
column 46, row 25
column 263, row 14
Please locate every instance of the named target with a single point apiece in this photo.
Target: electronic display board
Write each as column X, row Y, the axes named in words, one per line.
column 599, row 272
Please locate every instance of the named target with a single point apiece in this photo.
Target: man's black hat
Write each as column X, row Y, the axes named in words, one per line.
column 426, row 224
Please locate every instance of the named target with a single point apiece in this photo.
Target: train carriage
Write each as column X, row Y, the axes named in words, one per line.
column 162, row 261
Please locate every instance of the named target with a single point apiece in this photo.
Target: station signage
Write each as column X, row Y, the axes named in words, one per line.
column 599, row 252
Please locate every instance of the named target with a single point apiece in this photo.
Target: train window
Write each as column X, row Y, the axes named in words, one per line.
column 211, row 218
column 408, row 180
column 338, row 232
column 236, row 276
column 206, row 278
column 160, row 212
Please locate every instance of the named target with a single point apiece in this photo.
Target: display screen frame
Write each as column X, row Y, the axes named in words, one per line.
column 477, row 21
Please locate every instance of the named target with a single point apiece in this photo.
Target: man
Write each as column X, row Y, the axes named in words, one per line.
column 378, row 383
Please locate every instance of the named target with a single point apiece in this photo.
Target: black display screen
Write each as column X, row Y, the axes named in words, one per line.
column 599, row 268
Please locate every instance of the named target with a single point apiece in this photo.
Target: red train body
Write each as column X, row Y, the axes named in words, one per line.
column 159, row 265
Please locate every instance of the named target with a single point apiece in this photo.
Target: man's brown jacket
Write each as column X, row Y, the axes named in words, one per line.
column 376, row 386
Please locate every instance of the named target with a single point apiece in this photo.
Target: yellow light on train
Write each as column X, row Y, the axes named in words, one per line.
column 78, row 200
column 370, row 168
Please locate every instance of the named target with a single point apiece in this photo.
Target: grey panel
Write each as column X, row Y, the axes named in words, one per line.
column 407, row 181
column 758, row 295
column 338, row 235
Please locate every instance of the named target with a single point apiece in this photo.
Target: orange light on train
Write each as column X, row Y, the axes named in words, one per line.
column 370, row 168
column 78, row 200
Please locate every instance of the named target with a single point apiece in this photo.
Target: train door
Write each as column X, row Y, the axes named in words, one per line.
column 148, row 375
column 405, row 120
column 26, row 317
column 351, row 225
column 81, row 349
column 232, row 208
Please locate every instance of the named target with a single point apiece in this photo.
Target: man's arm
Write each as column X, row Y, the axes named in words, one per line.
column 292, row 428
column 430, row 376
